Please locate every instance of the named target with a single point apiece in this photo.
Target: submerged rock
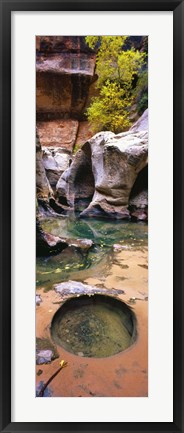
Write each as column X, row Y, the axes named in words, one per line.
column 47, row 244
column 78, row 288
column 83, row 244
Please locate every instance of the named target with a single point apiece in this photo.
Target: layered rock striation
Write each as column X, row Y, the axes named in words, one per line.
column 65, row 69
column 65, row 77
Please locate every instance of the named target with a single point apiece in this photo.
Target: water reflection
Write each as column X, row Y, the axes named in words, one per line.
column 71, row 264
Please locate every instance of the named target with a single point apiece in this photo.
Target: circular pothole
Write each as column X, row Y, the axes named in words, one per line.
column 94, row 326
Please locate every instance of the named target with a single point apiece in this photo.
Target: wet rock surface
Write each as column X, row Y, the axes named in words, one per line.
column 78, row 288
column 83, row 244
column 47, row 243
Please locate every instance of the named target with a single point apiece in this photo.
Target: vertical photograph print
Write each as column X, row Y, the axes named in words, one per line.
column 91, row 216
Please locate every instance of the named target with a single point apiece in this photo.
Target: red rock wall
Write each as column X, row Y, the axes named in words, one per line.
column 65, row 76
column 58, row 133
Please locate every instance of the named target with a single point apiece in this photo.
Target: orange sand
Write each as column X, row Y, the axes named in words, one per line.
column 121, row 375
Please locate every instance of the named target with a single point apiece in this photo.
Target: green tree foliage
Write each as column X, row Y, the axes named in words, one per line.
column 141, row 92
column 117, row 70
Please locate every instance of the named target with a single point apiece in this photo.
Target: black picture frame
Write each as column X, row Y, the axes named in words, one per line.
column 6, row 7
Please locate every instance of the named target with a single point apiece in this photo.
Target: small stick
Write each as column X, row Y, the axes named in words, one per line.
column 62, row 365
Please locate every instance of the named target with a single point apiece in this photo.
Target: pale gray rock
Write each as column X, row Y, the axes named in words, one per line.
column 38, row 300
column 109, row 171
column 78, row 288
column 44, row 356
column 141, row 124
column 43, row 188
column 77, row 182
column 55, row 162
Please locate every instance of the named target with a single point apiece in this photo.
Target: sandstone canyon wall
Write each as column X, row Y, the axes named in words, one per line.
column 108, row 176
column 65, row 77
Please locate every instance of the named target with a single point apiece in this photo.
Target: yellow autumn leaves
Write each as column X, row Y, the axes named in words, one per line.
column 117, row 70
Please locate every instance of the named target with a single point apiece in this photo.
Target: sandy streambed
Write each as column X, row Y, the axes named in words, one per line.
column 124, row 374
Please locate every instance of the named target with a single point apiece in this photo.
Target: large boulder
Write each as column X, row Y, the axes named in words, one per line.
column 77, row 182
column 109, row 171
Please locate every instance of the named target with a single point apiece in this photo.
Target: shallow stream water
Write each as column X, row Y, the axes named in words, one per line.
column 96, row 326
column 98, row 260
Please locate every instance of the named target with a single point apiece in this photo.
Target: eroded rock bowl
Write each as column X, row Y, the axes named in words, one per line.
column 94, row 326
